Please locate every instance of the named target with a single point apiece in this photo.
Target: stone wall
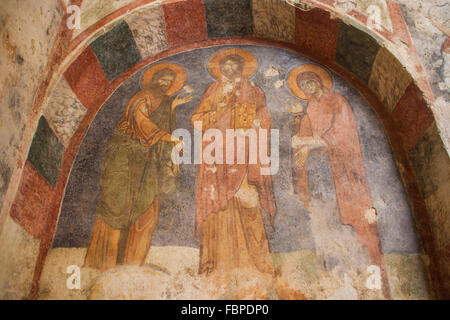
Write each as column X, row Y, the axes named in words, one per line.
column 28, row 30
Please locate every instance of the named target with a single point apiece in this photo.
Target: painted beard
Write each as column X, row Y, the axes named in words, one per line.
column 159, row 90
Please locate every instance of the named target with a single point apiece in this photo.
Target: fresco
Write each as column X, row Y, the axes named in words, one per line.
column 315, row 211
column 445, row 69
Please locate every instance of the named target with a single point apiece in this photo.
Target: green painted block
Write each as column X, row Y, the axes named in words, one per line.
column 116, row 50
column 229, row 18
column 356, row 51
column 46, row 152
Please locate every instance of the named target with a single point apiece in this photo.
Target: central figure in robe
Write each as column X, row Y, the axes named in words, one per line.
column 230, row 197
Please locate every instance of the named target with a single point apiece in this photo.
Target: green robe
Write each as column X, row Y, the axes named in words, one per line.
column 133, row 175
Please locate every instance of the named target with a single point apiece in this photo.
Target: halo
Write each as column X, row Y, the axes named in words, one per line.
column 327, row 81
column 178, row 82
column 250, row 63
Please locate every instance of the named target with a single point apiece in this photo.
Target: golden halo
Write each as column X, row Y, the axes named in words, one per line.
column 327, row 81
column 250, row 63
column 178, row 82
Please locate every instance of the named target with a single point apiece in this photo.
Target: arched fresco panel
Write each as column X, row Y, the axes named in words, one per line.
column 332, row 210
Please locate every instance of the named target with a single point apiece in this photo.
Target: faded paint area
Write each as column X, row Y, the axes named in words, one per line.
column 229, row 18
column 274, row 19
column 407, row 277
column 27, row 32
column 171, row 273
column 389, row 79
column 441, row 108
column 64, row 111
column 438, row 203
column 18, row 255
column 375, row 10
column 429, row 26
column 149, row 30
column 432, row 167
column 54, row 277
column 95, row 10
column 168, row 273
column 429, row 161
column 304, row 271
column 336, row 243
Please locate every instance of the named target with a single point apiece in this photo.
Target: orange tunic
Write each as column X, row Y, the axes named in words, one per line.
column 229, row 196
column 218, row 183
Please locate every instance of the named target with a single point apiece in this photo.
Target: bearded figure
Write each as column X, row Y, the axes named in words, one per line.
column 136, row 170
column 230, row 196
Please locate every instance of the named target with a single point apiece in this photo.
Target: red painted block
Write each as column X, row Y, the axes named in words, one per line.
column 86, row 77
column 412, row 117
column 316, row 34
column 31, row 205
column 185, row 22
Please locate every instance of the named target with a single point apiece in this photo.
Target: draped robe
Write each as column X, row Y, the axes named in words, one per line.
column 329, row 124
column 137, row 168
column 229, row 196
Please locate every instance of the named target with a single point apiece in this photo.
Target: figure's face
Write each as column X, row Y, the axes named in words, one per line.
column 231, row 69
column 165, row 82
column 310, row 86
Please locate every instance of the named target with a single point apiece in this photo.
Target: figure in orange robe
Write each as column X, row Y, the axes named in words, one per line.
column 229, row 197
column 328, row 125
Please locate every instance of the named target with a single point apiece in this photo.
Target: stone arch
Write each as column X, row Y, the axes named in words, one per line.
column 110, row 51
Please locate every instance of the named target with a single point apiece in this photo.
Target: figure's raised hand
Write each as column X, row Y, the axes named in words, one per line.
column 180, row 100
